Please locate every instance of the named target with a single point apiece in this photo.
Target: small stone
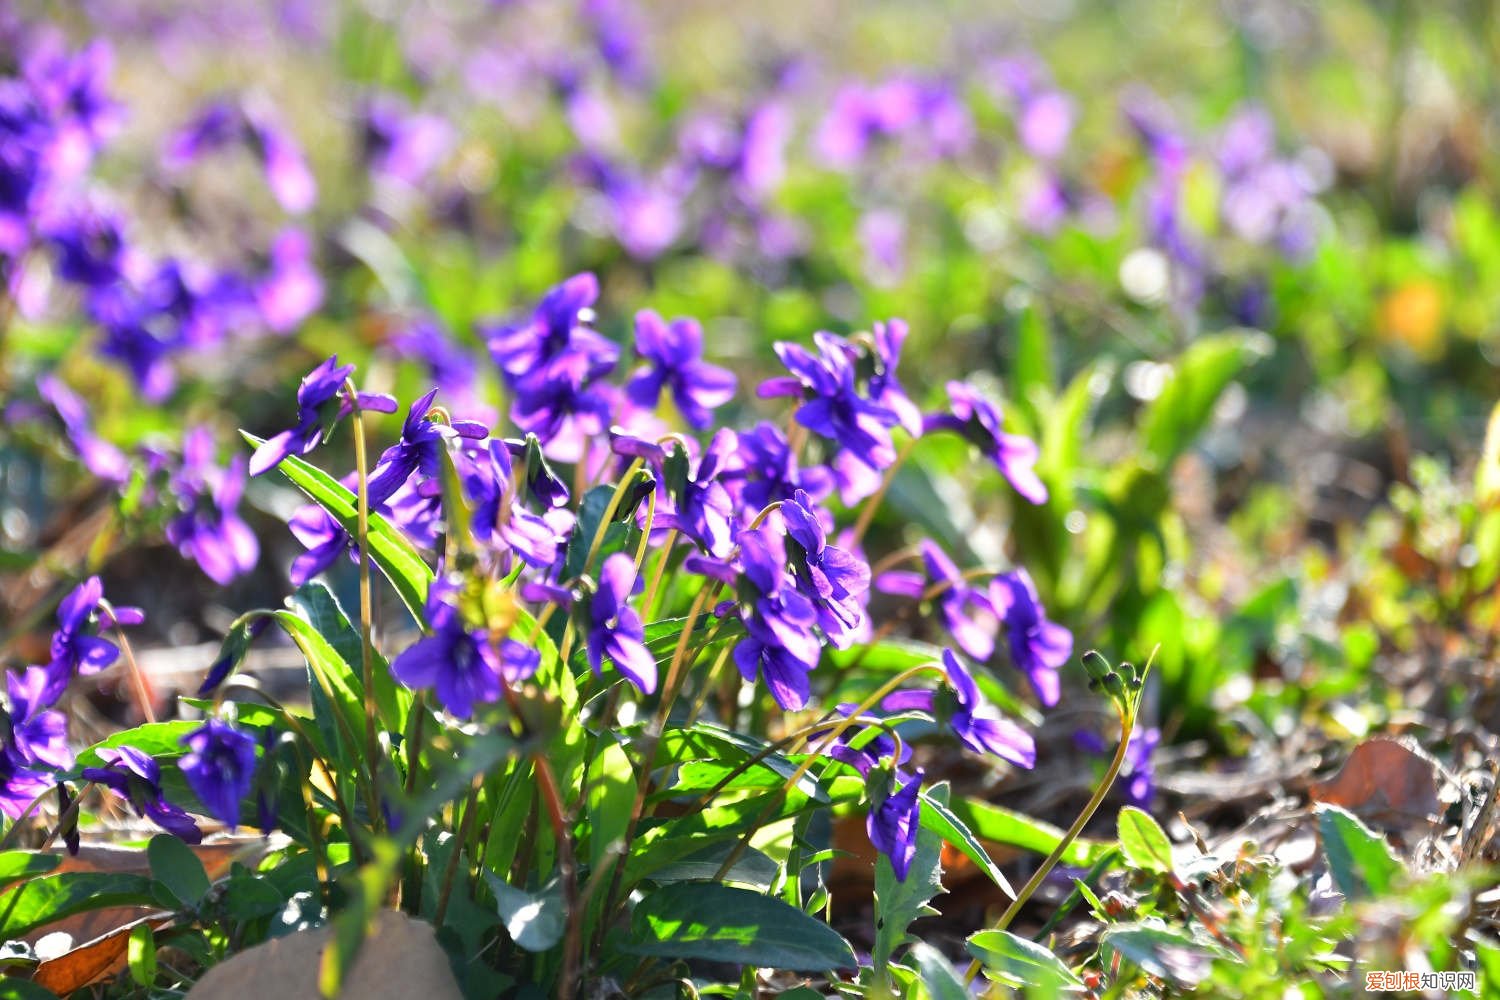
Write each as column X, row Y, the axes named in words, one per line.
column 400, row 959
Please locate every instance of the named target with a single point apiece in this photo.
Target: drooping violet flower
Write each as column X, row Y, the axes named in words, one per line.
column 833, row 406
column 780, row 645
column 893, row 823
column 135, row 776
column 615, row 629
column 210, row 530
column 885, row 388
column 979, row 725
column 673, row 353
column 76, row 648
column 419, row 450
column 220, row 768
column 324, row 538
column 98, row 456
column 316, row 414
column 978, row 420
column 763, row 469
column 701, row 507
column 39, row 736
column 967, row 611
column 461, row 665
column 831, row 578
column 1038, row 647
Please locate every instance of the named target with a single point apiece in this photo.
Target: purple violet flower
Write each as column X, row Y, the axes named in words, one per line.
column 210, row 530
column 674, row 361
column 780, row 645
column 832, row 405
column 893, row 823
column 315, row 415
column 831, row 578
column 220, row 768
column 979, row 725
column 419, row 450
column 1038, row 647
column 39, row 736
column 461, row 665
column 76, row 649
column 136, row 777
column 979, row 421
column 615, row 629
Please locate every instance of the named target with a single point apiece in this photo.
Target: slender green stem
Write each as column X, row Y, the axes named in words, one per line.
column 450, row 870
column 366, row 606
column 1127, row 724
column 609, row 513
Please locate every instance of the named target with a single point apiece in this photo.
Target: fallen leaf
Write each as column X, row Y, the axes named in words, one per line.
column 1388, row 782
column 101, row 958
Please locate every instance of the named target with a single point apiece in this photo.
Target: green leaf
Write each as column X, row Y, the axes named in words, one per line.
column 162, row 740
column 176, row 867
column 1175, row 418
column 1143, row 842
column 1014, row 961
column 249, row 897
column 17, row 866
column 1167, row 953
column 141, row 954
column 937, row 817
column 41, row 901
column 661, row 638
column 1032, row 372
column 611, row 797
column 619, row 536
column 722, row 923
column 534, row 922
column 942, row 980
column 898, row 903
column 753, row 868
column 391, row 551
column 1360, row 860
column 1003, row 826
column 318, row 605
column 338, row 704
column 21, row 989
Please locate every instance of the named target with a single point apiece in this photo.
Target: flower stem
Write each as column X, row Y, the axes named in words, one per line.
column 867, row 512
column 366, row 605
column 1127, row 724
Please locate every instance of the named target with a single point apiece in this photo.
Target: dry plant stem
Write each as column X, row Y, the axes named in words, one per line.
column 867, row 513
column 567, row 867
column 366, row 605
column 648, row 606
column 1127, row 724
column 138, row 683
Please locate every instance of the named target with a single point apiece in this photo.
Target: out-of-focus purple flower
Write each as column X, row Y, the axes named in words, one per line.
column 763, row 469
column 1137, row 771
column 90, row 244
column 967, row 611
column 98, row 456
column 135, row 776
column 316, row 414
column 559, row 325
column 218, row 123
column 674, row 361
column 1038, row 647
column 73, row 90
column 220, row 768
column 882, row 232
column 928, row 112
column 210, row 530
column 38, row 736
column 645, row 214
column 893, row 823
column 287, row 172
column 19, row 786
column 620, row 36
column 615, row 629
column 324, row 538
column 831, row 578
column 978, row 420
column 400, row 144
column 76, row 648
column 979, row 725
column 1044, row 122
column 885, row 388
column 290, row 291
column 133, row 338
